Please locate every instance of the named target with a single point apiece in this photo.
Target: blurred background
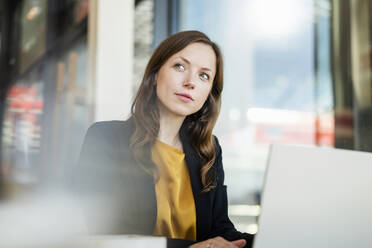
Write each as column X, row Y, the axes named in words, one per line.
column 296, row 72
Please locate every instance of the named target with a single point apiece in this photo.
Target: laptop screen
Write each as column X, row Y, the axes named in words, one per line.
column 316, row 197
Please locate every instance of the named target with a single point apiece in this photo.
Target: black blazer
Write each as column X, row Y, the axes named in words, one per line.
column 123, row 194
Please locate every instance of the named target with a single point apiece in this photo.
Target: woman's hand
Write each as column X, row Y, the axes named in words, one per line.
column 219, row 242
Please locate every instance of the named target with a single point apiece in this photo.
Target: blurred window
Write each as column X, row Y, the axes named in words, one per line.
column 21, row 134
column 33, row 32
column 49, row 102
column 143, row 39
column 269, row 91
column 1, row 26
column 323, row 74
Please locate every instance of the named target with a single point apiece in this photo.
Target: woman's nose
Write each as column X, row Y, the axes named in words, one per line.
column 189, row 82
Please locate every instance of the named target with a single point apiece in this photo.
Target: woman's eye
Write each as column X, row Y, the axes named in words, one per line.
column 179, row 67
column 204, row 76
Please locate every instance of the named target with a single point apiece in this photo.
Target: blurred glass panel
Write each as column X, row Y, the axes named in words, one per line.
column 323, row 74
column 143, row 39
column 72, row 109
column 49, row 101
column 80, row 11
column 21, row 134
column 352, row 70
column 361, row 70
column 33, row 32
column 269, row 94
column 68, row 16
column 341, row 73
column 1, row 26
column 42, row 143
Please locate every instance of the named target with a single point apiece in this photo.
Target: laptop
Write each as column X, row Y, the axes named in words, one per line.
column 316, row 197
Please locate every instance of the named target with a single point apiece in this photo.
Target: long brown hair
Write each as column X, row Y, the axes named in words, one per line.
column 199, row 125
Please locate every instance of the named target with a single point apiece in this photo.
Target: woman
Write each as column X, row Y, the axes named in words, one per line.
column 160, row 172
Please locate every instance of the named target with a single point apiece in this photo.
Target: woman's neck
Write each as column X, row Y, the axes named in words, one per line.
column 169, row 130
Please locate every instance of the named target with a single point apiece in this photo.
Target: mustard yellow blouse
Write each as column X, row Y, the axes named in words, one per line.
column 176, row 216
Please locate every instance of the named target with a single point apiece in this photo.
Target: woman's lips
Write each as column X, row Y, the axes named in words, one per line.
column 185, row 97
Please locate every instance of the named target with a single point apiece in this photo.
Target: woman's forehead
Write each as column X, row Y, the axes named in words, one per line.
column 199, row 54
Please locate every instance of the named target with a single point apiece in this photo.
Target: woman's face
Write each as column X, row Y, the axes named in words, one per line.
column 183, row 83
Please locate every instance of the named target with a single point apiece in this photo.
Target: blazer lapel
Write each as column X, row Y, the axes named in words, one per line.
column 202, row 201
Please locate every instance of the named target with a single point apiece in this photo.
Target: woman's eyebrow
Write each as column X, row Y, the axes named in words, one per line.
column 188, row 62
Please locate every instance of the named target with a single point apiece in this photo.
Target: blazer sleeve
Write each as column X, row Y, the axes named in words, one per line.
column 222, row 225
column 96, row 163
column 96, row 180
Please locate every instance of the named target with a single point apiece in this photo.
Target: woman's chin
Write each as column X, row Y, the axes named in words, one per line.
column 180, row 112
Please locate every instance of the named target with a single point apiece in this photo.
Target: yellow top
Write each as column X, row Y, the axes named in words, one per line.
column 176, row 216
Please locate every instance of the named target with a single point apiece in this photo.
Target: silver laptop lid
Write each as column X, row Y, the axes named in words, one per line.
column 316, row 197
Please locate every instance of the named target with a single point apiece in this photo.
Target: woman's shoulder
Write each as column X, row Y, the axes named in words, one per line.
column 113, row 126
column 111, row 130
